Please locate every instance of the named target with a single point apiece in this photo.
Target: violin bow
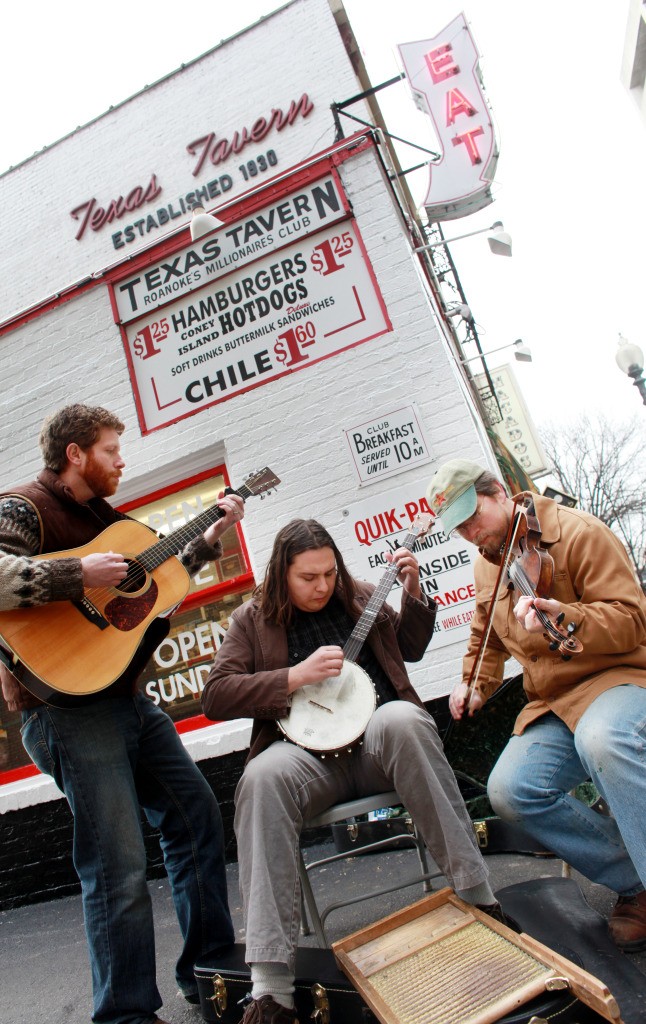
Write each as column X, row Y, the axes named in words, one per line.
column 514, row 523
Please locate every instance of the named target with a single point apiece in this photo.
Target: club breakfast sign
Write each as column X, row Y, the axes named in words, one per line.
column 230, row 312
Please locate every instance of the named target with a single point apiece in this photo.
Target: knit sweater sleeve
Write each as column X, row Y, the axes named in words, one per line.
column 24, row 581
column 198, row 552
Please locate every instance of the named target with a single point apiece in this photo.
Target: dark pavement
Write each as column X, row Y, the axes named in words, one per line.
column 45, row 972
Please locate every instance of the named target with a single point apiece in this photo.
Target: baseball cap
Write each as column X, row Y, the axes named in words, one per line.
column 451, row 494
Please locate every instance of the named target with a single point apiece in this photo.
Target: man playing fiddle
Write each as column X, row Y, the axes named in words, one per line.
column 585, row 716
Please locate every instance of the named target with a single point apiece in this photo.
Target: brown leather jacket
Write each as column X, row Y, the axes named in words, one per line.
column 249, row 676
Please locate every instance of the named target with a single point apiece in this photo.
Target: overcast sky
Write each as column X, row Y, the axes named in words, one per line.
column 569, row 185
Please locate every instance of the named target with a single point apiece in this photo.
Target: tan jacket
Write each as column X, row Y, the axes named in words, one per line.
column 595, row 580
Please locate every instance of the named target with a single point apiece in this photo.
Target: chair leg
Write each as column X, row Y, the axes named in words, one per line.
column 423, row 860
column 308, row 905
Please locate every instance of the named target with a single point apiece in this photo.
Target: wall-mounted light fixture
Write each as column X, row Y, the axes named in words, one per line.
column 203, row 223
column 499, row 240
column 460, row 310
column 521, row 352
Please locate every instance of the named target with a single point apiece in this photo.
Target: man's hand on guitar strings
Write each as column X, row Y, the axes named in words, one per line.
column 103, row 569
column 233, row 507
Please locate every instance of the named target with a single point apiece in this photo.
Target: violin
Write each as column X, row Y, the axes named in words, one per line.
column 529, row 569
column 531, row 572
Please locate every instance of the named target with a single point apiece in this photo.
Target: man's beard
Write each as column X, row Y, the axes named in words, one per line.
column 494, row 542
column 102, row 482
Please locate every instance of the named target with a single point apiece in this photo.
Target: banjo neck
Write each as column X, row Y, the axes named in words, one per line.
column 357, row 638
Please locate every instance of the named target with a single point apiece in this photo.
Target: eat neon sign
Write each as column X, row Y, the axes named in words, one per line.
column 444, row 77
column 441, row 66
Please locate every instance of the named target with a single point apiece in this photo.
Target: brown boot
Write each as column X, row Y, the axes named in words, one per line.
column 267, row 1011
column 627, row 925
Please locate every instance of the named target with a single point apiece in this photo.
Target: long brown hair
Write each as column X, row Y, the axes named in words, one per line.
column 296, row 537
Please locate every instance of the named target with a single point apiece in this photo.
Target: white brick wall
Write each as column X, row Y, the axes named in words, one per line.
column 297, row 50
column 74, row 352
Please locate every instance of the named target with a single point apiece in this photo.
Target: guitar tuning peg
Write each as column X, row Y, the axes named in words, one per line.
column 571, row 628
column 554, row 646
column 559, row 618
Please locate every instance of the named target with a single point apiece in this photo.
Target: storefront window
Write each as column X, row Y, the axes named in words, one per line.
column 172, row 509
column 174, row 677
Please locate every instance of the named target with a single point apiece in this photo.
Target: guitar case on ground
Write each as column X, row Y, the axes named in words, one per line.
column 223, row 981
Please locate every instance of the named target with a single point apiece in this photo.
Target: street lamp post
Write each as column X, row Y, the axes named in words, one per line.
column 630, row 359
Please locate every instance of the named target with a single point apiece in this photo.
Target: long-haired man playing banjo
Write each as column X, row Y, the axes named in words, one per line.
column 292, row 634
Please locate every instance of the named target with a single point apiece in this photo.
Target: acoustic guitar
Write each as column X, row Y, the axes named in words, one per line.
column 332, row 715
column 69, row 649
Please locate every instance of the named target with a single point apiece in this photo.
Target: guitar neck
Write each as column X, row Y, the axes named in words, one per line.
column 178, row 539
column 366, row 621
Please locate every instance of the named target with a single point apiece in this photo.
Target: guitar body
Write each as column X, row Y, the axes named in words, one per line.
column 79, row 654
column 332, row 715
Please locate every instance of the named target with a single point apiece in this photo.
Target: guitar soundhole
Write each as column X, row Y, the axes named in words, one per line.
column 135, row 580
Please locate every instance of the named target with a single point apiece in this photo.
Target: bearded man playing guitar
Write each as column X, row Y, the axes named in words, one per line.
column 586, row 714
column 114, row 751
column 289, row 636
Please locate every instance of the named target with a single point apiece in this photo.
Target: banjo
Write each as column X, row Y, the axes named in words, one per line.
column 332, row 715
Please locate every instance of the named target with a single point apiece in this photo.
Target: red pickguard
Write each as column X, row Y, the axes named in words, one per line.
column 126, row 613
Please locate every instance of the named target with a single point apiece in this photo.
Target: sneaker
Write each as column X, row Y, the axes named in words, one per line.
column 495, row 911
column 267, row 1011
column 627, row 925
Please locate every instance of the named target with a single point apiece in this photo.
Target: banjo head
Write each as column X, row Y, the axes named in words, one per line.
column 332, row 715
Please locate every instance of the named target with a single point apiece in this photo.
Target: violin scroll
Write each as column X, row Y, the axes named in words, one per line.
column 567, row 644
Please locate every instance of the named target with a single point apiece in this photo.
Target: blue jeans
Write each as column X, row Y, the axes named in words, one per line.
column 530, row 785
column 109, row 758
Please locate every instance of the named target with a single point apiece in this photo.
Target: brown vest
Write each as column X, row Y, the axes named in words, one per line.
column 65, row 522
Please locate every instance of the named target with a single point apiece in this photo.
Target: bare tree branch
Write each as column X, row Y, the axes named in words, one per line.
column 601, row 463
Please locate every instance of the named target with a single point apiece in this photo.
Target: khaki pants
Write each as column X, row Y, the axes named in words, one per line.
column 284, row 786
